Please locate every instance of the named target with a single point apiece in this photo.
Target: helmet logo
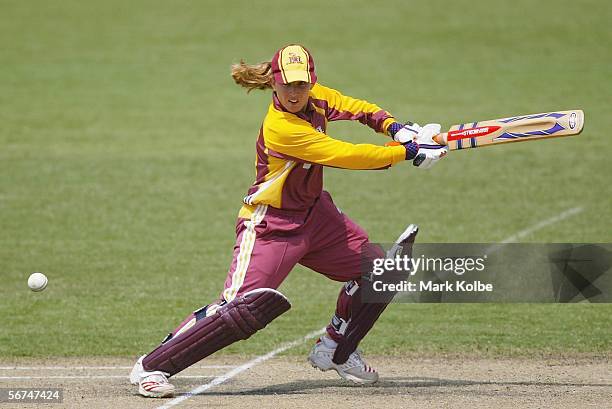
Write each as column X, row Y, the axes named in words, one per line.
column 295, row 59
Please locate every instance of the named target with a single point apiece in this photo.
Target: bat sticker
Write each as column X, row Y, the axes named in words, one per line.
column 472, row 132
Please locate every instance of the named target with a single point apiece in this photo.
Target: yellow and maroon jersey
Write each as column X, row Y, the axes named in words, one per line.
column 292, row 149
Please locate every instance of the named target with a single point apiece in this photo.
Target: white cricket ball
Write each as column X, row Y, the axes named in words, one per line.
column 37, row 281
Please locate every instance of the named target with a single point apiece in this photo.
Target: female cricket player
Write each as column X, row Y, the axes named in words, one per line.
column 287, row 218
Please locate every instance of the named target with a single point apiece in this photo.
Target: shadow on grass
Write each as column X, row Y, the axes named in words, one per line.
column 388, row 385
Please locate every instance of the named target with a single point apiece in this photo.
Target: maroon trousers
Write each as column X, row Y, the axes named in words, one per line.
column 323, row 239
column 268, row 246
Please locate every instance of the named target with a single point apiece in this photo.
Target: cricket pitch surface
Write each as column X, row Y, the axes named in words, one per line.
column 290, row 382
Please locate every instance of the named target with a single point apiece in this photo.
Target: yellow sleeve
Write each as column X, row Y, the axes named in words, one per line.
column 342, row 107
column 294, row 137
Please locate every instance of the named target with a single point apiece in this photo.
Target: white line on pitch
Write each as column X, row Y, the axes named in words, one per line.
column 531, row 229
column 78, row 368
column 97, row 377
column 221, row 379
column 561, row 216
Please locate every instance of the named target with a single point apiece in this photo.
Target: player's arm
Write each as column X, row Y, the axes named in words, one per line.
column 295, row 138
column 342, row 107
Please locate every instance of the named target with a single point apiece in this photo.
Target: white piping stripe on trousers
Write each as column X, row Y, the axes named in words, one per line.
column 244, row 255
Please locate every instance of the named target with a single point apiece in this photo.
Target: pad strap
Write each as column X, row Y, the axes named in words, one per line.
column 364, row 315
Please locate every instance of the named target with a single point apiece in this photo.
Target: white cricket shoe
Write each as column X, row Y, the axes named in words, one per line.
column 137, row 370
column 354, row 369
column 155, row 385
column 150, row 384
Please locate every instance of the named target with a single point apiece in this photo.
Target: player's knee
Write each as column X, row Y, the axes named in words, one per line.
column 253, row 311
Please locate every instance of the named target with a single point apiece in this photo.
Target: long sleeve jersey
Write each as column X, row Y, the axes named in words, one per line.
column 292, row 149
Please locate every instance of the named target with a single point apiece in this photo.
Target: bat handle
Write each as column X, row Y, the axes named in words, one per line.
column 441, row 139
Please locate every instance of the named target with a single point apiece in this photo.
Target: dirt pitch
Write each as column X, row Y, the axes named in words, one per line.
column 288, row 382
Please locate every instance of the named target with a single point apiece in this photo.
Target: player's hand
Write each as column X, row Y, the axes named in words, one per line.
column 407, row 133
column 429, row 152
column 426, row 133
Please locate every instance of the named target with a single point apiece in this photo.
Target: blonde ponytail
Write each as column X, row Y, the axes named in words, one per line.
column 253, row 76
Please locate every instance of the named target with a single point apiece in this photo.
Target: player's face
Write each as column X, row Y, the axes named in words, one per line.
column 293, row 96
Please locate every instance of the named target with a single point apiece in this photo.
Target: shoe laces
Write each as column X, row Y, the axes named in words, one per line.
column 355, row 360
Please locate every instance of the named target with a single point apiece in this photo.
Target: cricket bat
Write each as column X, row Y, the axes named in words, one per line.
column 514, row 129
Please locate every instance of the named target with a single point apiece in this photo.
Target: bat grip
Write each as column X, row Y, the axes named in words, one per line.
column 441, row 139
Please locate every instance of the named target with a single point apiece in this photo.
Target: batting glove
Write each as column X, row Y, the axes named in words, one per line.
column 408, row 132
column 429, row 152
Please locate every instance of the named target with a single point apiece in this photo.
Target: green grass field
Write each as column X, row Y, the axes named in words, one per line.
column 126, row 149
